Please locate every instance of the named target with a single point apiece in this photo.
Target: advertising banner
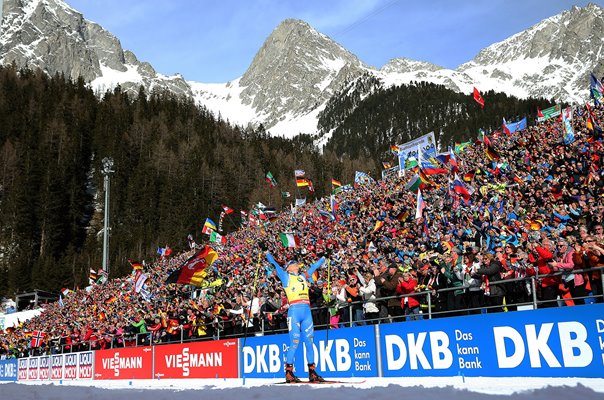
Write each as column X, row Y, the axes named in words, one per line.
column 70, row 366
column 347, row 352
column 213, row 359
column 56, row 367
column 9, row 370
column 23, row 363
column 85, row 365
column 555, row 342
column 32, row 368
column 550, row 113
column 44, row 368
column 427, row 146
column 124, row 363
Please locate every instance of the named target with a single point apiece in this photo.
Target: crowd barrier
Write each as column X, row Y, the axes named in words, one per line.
column 554, row 342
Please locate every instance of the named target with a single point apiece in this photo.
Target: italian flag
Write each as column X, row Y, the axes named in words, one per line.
column 289, row 240
column 217, row 237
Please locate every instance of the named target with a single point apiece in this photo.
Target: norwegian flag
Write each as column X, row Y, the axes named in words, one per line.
column 37, row 338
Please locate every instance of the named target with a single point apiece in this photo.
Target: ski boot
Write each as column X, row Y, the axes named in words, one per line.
column 312, row 374
column 289, row 374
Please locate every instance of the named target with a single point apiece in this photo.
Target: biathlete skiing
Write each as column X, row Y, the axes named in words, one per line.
column 299, row 316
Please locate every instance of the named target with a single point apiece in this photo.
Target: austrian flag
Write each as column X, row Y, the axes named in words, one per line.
column 478, row 98
column 289, row 240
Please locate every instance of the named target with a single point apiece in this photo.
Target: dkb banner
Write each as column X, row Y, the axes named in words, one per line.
column 8, row 370
column 557, row 342
column 345, row 353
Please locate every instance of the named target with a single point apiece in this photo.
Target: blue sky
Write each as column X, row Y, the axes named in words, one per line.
column 215, row 41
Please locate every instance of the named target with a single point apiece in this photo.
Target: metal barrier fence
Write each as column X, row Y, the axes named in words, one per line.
column 426, row 312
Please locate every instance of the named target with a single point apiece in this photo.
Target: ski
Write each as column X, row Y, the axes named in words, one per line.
column 325, row 382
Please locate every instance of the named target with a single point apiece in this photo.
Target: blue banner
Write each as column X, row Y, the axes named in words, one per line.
column 8, row 370
column 555, row 342
column 346, row 353
column 517, row 126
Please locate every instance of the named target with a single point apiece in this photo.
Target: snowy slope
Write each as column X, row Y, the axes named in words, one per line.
column 297, row 70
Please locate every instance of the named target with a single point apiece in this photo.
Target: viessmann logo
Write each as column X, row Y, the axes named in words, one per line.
column 229, row 343
column 117, row 363
column 187, row 360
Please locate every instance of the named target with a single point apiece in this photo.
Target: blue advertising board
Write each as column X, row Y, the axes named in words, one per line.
column 8, row 370
column 555, row 342
column 345, row 353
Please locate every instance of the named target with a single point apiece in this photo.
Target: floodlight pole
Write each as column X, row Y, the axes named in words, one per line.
column 106, row 171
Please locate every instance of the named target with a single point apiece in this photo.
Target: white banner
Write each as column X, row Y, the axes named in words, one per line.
column 426, row 143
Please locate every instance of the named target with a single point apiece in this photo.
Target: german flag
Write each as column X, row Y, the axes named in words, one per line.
column 111, row 300
column 136, row 265
column 336, row 183
column 193, row 271
column 491, row 153
column 468, row 177
column 302, row 182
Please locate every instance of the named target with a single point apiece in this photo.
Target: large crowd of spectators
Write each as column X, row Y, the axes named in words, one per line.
column 535, row 212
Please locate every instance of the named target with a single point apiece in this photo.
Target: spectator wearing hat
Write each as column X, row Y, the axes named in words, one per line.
column 371, row 310
column 388, row 282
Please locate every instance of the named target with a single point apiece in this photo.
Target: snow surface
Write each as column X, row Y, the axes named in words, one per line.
column 452, row 388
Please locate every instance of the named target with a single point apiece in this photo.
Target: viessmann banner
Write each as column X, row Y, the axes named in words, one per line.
column 345, row 353
column 558, row 342
column 124, row 363
column 212, row 359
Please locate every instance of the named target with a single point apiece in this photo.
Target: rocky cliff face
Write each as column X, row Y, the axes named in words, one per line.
column 552, row 58
column 298, row 69
column 50, row 35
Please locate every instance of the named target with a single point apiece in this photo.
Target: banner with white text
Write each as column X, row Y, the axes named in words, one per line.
column 555, row 342
column 345, row 353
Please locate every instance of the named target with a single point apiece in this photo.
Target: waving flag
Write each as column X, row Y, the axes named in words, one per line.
column 302, row 182
column 136, row 265
column 461, row 189
column 333, row 204
column 505, row 128
column 208, row 227
column 414, row 184
column 459, row 147
column 478, row 98
column 37, row 338
column 539, row 113
column 361, row 178
column 299, row 173
column 453, row 161
column 289, row 240
column 217, row 237
column 270, row 179
column 514, row 126
column 596, row 89
column 335, row 183
column 193, row 271
column 227, row 209
column 420, row 205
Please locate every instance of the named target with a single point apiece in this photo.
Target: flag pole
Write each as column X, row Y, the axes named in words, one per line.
column 329, row 293
column 251, row 299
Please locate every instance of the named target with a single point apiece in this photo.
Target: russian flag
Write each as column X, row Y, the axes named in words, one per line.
column 453, row 161
column 461, row 189
column 421, row 204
